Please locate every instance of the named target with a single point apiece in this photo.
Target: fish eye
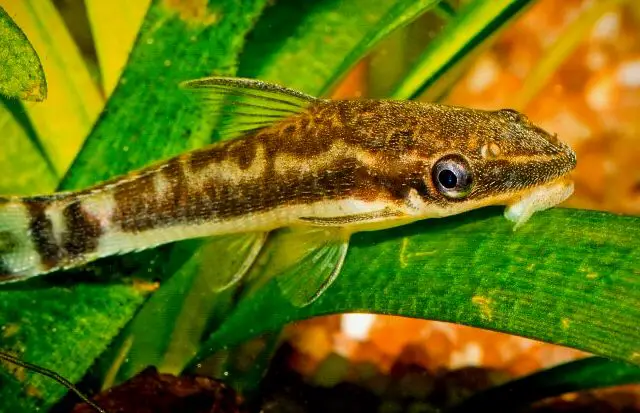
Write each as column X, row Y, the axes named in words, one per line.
column 452, row 176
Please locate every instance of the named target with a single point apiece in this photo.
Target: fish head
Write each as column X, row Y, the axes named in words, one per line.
column 495, row 158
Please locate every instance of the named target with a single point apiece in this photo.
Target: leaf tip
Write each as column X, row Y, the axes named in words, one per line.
column 21, row 72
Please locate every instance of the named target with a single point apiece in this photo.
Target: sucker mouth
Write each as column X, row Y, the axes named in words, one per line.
column 500, row 177
column 571, row 155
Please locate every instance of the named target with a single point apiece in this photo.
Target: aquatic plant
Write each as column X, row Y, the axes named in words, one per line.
column 568, row 277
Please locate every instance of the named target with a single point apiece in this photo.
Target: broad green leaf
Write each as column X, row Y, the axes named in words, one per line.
column 283, row 38
column 59, row 328
column 471, row 26
column 21, row 73
column 585, row 374
column 114, row 25
column 568, row 277
column 73, row 103
column 147, row 118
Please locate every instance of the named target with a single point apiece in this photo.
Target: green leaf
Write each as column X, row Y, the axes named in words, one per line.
column 320, row 41
column 579, row 375
column 148, row 117
column 470, row 27
column 64, row 120
column 21, row 74
column 568, row 277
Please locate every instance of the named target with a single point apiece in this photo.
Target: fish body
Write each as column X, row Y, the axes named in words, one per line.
column 301, row 163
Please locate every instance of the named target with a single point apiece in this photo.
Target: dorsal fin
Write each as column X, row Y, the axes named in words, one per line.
column 244, row 105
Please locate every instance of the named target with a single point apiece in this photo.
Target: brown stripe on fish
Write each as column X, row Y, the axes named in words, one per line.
column 135, row 203
column 243, row 154
column 82, row 231
column 176, row 198
column 216, row 200
column 155, row 197
column 317, row 155
column 42, row 233
column 202, row 158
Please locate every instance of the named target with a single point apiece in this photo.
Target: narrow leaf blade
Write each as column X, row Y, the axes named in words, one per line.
column 322, row 41
column 469, row 28
column 114, row 25
column 580, row 375
column 26, row 170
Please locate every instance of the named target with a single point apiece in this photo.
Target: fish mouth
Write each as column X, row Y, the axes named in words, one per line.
column 551, row 175
column 504, row 178
column 550, row 165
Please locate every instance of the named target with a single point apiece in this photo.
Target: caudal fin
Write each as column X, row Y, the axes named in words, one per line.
column 19, row 257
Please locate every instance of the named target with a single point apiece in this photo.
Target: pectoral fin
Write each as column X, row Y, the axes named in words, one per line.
column 344, row 220
column 306, row 262
column 240, row 250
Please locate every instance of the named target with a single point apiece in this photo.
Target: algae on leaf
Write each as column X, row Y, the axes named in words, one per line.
column 21, row 74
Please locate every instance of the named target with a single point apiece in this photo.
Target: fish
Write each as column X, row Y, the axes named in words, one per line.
column 312, row 170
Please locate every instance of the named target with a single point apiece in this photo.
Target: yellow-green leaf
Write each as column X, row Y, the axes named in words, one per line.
column 21, row 73
column 25, row 169
column 73, row 102
column 114, row 25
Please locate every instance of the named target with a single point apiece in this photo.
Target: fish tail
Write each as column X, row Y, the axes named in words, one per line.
column 43, row 234
column 18, row 256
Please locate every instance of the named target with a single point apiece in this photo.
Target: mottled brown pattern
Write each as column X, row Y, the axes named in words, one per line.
column 41, row 230
column 82, row 232
column 202, row 158
column 243, row 155
column 368, row 150
column 404, row 138
column 177, row 196
column 137, row 204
